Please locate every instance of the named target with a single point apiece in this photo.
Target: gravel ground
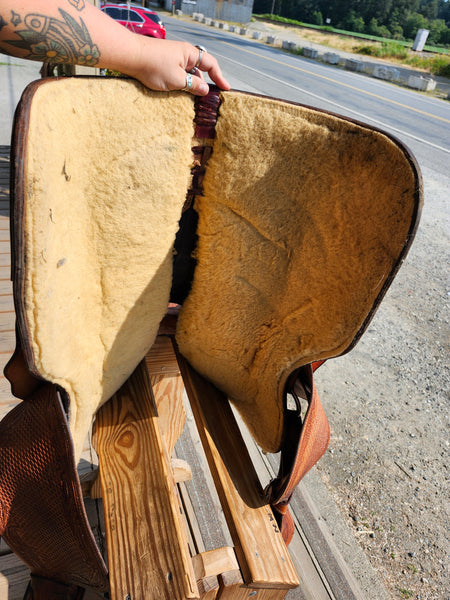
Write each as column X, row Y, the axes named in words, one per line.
column 387, row 402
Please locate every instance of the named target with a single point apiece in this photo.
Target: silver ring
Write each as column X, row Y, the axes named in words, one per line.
column 201, row 52
column 189, row 82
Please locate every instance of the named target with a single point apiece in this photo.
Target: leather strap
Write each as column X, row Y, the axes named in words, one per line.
column 304, row 442
column 42, row 515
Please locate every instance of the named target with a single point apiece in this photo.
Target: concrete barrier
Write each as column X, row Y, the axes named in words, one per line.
column 292, row 46
column 352, row 64
column 386, row 73
column 271, row 39
column 310, row 53
column 426, row 84
column 331, row 58
column 257, row 35
column 243, row 31
column 224, row 26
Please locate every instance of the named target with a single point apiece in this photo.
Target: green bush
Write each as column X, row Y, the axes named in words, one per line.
column 383, row 50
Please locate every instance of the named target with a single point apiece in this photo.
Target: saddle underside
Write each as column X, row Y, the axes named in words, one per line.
column 304, row 219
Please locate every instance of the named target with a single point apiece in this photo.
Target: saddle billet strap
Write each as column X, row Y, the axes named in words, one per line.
column 304, row 442
column 42, row 515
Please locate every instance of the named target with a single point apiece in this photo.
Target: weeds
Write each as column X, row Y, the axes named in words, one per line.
column 437, row 64
column 383, row 50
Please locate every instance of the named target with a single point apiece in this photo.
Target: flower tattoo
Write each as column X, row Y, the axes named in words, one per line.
column 78, row 4
column 54, row 40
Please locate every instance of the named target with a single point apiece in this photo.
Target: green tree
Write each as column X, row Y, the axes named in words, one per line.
column 317, row 18
column 429, row 9
column 353, row 22
column 444, row 11
column 437, row 30
column 413, row 23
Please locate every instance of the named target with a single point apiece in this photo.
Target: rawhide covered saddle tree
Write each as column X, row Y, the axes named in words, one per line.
column 277, row 227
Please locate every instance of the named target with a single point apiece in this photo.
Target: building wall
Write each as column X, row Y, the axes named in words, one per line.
column 235, row 11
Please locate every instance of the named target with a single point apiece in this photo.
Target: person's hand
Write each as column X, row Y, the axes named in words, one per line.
column 166, row 65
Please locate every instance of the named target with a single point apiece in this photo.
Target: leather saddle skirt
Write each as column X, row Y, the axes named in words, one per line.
column 303, row 218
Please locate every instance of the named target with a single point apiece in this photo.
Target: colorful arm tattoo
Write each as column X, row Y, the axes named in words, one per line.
column 54, row 40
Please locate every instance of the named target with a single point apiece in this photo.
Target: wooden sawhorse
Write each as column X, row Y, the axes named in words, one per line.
column 147, row 539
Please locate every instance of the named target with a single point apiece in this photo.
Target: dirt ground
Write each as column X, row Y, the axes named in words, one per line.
column 387, row 403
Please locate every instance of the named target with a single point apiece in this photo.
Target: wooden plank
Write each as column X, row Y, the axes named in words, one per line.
column 262, row 554
column 223, row 564
column 232, row 587
column 168, row 393
column 6, row 286
column 215, row 562
column 5, row 272
column 7, row 340
column 208, row 588
column 5, row 260
column 6, row 303
column 168, row 389
column 161, row 359
column 146, row 540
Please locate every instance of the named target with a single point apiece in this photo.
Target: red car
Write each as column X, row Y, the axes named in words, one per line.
column 136, row 18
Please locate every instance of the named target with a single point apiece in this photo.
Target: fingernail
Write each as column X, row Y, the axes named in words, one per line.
column 203, row 88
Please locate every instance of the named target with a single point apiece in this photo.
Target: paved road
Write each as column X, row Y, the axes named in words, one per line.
column 422, row 122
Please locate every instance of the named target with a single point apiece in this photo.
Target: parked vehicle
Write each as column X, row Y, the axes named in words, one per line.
column 136, row 18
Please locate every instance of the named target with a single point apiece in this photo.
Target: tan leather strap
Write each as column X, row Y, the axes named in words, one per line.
column 42, row 515
column 304, row 442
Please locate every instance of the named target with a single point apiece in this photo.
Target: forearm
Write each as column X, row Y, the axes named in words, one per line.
column 75, row 32
column 64, row 31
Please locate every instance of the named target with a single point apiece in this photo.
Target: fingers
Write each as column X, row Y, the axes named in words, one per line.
column 195, row 84
column 200, row 60
column 169, row 65
column 210, row 65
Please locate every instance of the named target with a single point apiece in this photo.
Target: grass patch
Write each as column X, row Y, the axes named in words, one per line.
column 437, row 64
column 383, row 50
